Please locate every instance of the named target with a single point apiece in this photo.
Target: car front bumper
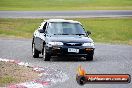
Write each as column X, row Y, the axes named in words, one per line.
column 63, row 51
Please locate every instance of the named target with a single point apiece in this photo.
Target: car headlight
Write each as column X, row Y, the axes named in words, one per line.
column 55, row 43
column 88, row 44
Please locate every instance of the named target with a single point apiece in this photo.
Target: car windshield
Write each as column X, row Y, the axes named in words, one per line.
column 65, row 28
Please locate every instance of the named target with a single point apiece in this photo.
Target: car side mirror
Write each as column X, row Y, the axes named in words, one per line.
column 41, row 31
column 88, row 32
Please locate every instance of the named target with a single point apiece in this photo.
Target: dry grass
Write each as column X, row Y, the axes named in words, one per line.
column 11, row 73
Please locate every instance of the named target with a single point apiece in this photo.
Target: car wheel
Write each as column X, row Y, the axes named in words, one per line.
column 46, row 56
column 35, row 52
column 89, row 57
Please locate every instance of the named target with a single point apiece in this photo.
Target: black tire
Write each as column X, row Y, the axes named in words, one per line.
column 46, row 56
column 35, row 52
column 89, row 57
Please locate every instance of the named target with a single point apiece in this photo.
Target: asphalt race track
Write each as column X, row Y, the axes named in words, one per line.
column 66, row 14
column 111, row 59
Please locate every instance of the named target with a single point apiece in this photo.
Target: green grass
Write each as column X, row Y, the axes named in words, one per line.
column 65, row 4
column 108, row 30
column 7, row 80
column 18, row 27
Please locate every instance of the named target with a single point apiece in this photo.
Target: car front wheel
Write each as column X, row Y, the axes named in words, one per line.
column 46, row 56
column 35, row 52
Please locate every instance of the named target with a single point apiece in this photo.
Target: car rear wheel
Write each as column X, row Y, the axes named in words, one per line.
column 46, row 56
column 89, row 57
column 35, row 52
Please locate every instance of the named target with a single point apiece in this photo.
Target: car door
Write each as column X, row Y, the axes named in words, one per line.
column 40, row 36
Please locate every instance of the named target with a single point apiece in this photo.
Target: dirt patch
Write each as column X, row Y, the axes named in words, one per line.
column 11, row 73
column 130, row 42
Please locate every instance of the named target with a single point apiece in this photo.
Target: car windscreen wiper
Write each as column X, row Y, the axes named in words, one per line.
column 61, row 34
column 79, row 34
column 69, row 34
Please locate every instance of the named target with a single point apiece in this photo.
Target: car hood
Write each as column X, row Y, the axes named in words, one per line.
column 68, row 38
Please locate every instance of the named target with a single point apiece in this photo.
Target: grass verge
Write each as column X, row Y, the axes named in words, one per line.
column 66, row 5
column 106, row 30
column 11, row 73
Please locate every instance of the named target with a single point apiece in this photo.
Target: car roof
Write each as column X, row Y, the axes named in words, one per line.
column 61, row 20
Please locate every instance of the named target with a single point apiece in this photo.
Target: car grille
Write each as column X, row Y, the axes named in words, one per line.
column 72, row 44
